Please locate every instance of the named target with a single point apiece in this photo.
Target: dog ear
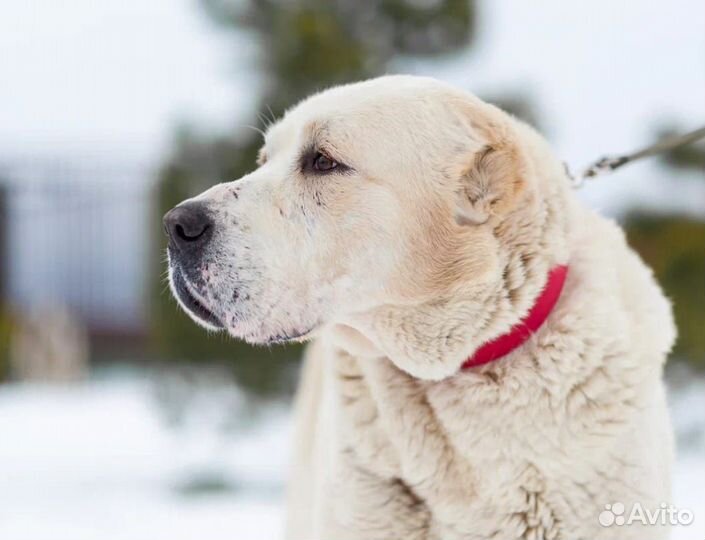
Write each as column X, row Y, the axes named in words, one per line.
column 492, row 182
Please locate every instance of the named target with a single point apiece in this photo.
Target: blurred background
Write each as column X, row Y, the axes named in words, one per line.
column 119, row 418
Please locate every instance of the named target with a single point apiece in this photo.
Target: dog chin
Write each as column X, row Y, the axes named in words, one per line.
column 264, row 337
column 194, row 307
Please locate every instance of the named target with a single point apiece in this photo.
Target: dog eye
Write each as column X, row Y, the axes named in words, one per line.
column 323, row 163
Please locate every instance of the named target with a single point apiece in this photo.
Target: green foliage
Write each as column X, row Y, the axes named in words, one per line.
column 5, row 334
column 304, row 46
column 674, row 246
column 691, row 156
column 517, row 105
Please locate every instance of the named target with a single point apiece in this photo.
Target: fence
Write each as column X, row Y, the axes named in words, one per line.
column 79, row 234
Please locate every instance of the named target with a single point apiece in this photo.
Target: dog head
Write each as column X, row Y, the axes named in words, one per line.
column 369, row 200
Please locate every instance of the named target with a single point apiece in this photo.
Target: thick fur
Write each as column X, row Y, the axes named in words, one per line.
column 434, row 235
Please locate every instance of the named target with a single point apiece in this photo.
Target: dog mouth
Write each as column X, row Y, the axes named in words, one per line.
column 191, row 304
column 291, row 337
column 195, row 306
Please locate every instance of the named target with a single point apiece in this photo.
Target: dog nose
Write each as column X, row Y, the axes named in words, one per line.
column 188, row 226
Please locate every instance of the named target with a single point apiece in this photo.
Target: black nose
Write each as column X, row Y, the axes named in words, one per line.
column 188, row 226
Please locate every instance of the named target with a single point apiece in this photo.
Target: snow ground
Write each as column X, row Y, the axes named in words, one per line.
column 126, row 457
column 102, row 460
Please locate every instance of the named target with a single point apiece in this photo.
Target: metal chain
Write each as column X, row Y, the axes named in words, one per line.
column 609, row 164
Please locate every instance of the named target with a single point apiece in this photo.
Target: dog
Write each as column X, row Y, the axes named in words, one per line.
column 486, row 353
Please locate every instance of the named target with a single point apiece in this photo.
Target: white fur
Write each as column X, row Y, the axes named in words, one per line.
column 437, row 238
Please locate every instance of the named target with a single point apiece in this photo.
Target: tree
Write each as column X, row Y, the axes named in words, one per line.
column 674, row 246
column 5, row 325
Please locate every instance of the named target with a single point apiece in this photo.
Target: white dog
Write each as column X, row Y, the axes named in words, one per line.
column 488, row 353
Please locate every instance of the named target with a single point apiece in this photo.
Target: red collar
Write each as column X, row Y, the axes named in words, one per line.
column 523, row 330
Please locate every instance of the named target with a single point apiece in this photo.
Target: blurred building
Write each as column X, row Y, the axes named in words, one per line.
column 76, row 238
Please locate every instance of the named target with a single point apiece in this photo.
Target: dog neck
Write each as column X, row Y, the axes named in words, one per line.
column 524, row 329
column 427, row 344
column 479, row 320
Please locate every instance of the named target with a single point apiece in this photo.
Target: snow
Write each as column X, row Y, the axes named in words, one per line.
column 129, row 456
column 101, row 460
column 687, row 404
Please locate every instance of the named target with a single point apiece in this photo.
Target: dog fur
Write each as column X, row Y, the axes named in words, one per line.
column 434, row 234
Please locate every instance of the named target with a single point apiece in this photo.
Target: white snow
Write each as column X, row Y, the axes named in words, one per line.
column 116, row 458
column 101, row 461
